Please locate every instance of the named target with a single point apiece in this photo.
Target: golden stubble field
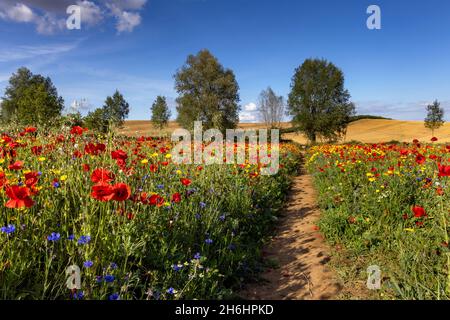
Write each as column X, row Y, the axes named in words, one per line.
column 368, row 130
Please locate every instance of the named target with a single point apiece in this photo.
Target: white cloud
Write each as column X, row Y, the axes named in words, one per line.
column 49, row 16
column 19, row 13
column 246, row 116
column 126, row 20
column 91, row 14
column 250, row 107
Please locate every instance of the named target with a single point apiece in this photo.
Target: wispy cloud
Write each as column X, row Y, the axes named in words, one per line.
column 29, row 52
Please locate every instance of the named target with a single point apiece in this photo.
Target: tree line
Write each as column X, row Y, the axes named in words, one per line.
column 318, row 102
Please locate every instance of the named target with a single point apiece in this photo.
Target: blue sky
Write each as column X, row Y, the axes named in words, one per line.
column 137, row 45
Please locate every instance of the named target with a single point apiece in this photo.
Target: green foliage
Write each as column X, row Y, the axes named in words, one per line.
column 30, row 99
column 207, row 92
column 96, row 120
column 116, row 109
column 160, row 112
column 435, row 116
column 318, row 101
column 112, row 115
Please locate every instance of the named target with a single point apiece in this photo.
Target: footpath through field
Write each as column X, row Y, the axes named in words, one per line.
column 299, row 251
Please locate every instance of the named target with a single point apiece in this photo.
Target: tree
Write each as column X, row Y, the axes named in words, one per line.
column 271, row 108
column 207, row 92
column 115, row 109
column 160, row 112
column 96, row 120
column 30, row 99
column 318, row 102
column 435, row 116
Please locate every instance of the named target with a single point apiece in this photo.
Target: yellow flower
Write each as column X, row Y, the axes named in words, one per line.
column 41, row 159
column 154, row 155
column 179, row 172
column 409, row 229
column 168, row 156
column 2, row 161
column 63, row 178
column 144, row 161
column 372, row 179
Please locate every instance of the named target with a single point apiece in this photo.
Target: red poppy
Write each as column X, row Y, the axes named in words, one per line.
column 119, row 155
column 36, row 150
column 19, row 197
column 103, row 192
column 153, row 168
column 16, row 165
column 444, row 171
column 3, row 180
column 419, row 212
column 86, row 167
column 102, row 176
column 30, row 129
column 77, row 130
column 156, row 200
column 434, row 139
column 420, row 159
column 439, row 191
column 121, row 192
column 185, row 181
column 176, row 197
column 31, row 179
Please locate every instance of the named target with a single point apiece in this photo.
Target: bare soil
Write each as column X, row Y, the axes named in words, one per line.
column 300, row 252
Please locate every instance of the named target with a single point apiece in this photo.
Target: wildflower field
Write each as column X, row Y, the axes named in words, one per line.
column 137, row 225
column 388, row 205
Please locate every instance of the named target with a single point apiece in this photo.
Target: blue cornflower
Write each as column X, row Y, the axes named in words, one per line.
column 88, row 264
column 171, row 290
column 197, row 256
column 109, row 278
column 222, row 217
column 177, row 267
column 113, row 265
column 10, row 228
column 114, row 296
column 54, row 237
column 78, row 295
column 84, row 240
column 99, row 279
column 39, row 173
column 20, row 184
column 56, row 184
column 208, row 241
column 160, row 186
column 71, row 237
column 198, row 216
column 202, row 205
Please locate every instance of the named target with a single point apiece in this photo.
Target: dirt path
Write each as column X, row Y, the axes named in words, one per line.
column 299, row 251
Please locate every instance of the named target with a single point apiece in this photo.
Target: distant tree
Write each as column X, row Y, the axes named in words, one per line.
column 96, row 120
column 318, row 102
column 160, row 112
column 116, row 109
column 435, row 116
column 30, row 99
column 207, row 92
column 271, row 108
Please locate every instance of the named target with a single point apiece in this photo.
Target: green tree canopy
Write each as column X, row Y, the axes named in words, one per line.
column 160, row 112
column 435, row 116
column 318, row 102
column 116, row 109
column 30, row 99
column 207, row 92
